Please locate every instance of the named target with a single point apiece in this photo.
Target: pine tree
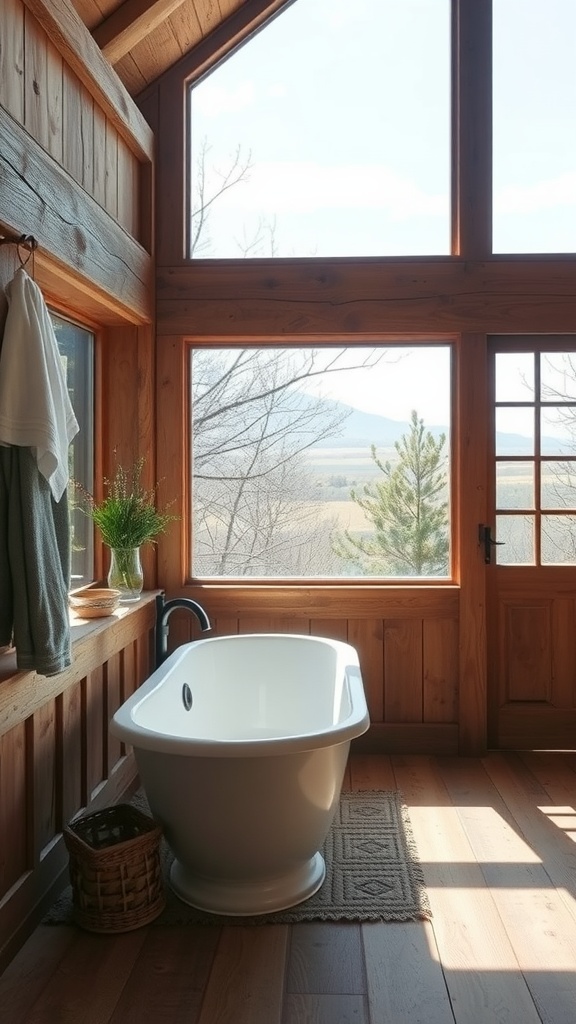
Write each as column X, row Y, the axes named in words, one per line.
column 408, row 509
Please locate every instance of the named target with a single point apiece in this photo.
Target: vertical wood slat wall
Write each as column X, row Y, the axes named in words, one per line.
column 57, row 759
column 45, row 96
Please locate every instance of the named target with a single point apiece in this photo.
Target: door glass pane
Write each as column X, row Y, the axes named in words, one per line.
column 514, row 376
column 515, row 485
column 534, row 99
column 557, row 376
column 326, row 134
column 558, row 540
column 516, row 535
column 558, row 485
column 514, row 431
column 558, row 430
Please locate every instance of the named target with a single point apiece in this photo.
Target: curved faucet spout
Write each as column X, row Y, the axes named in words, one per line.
column 164, row 610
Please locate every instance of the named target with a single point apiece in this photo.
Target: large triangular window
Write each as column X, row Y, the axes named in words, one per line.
column 326, row 134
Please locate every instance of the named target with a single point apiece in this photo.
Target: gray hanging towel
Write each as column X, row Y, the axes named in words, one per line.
column 37, row 424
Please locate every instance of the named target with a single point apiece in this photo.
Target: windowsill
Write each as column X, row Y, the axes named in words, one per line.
column 81, row 631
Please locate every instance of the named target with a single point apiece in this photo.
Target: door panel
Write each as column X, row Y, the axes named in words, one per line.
column 531, row 577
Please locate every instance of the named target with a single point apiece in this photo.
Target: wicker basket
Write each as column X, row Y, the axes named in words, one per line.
column 115, row 869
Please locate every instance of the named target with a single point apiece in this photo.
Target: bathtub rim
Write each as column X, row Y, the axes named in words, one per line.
column 124, row 727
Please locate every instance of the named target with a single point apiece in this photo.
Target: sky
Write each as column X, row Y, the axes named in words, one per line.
column 342, row 111
column 350, row 154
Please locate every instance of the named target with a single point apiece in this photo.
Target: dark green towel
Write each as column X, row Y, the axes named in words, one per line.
column 34, row 565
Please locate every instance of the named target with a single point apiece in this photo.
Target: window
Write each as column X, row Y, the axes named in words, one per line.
column 534, row 120
column 76, row 347
column 326, row 134
column 535, row 430
column 330, row 462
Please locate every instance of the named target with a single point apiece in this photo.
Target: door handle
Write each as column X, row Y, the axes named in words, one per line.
column 485, row 538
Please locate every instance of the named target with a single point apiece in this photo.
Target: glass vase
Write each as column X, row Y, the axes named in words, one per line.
column 125, row 573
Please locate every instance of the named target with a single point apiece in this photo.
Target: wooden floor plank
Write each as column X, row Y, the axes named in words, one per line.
column 326, row 958
column 325, row 1009
column 525, row 799
column 23, row 981
column 167, row 983
column 404, row 974
column 514, row 863
column 500, row 868
column 87, row 984
column 557, row 777
column 478, row 960
column 371, row 771
column 246, row 984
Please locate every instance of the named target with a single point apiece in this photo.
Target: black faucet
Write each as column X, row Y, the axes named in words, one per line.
column 164, row 610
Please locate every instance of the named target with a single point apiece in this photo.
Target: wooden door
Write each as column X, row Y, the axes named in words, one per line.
column 531, row 572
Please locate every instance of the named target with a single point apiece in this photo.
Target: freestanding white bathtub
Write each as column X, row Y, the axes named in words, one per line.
column 241, row 744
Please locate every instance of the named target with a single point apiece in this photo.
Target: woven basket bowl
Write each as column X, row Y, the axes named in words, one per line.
column 92, row 604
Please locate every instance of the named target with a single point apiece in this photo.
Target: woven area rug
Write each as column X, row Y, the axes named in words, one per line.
column 372, row 872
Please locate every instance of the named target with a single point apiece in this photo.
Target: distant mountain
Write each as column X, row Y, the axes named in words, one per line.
column 363, row 429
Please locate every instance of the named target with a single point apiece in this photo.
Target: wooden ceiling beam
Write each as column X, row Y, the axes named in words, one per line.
column 129, row 24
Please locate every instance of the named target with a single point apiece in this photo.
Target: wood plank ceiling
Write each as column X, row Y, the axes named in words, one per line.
column 142, row 39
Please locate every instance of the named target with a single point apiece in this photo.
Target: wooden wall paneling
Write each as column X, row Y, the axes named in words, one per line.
column 367, row 636
column 441, row 665
column 147, row 218
column 170, row 179
column 12, row 58
column 43, row 776
column 13, row 807
column 20, row 694
column 223, row 626
column 145, row 392
column 471, row 509
column 307, row 298
column 78, row 155
column 99, row 166
column 172, row 464
column 327, row 601
column 111, row 173
column 62, row 24
column 292, row 624
column 403, row 682
column 54, row 88
column 526, row 630
column 472, row 134
column 88, row 245
column 144, row 664
column 564, row 652
column 35, row 82
column 128, row 190
column 113, row 700
column 335, row 629
column 129, row 681
column 128, row 418
column 72, row 762
column 96, row 730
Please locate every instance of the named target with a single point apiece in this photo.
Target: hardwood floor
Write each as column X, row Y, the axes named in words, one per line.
column 497, row 841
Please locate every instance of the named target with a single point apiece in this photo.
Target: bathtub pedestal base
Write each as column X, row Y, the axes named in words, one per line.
column 241, row 898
